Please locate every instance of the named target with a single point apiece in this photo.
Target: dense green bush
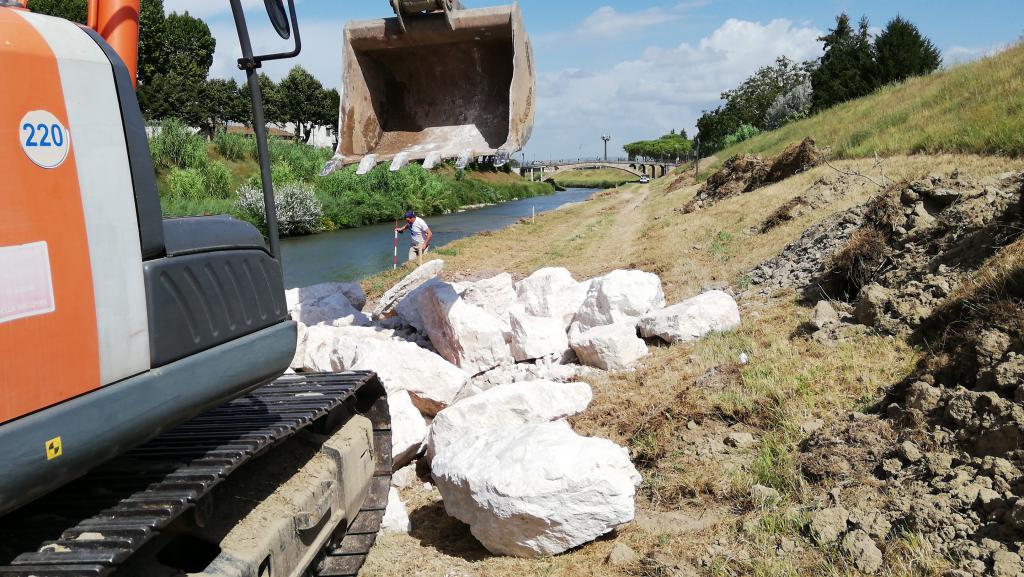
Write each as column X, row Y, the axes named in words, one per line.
column 218, row 180
column 234, row 147
column 187, row 183
column 744, row 132
column 175, row 146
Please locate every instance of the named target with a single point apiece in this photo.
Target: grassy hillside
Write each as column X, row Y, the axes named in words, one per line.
column 596, row 178
column 974, row 108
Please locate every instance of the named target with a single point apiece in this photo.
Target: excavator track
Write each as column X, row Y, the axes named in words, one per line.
column 94, row 525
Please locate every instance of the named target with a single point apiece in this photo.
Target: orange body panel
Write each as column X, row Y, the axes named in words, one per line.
column 50, row 358
column 117, row 21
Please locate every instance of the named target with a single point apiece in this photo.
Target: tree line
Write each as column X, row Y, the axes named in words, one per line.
column 852, row 65
column 668, row 148
column 175, row 55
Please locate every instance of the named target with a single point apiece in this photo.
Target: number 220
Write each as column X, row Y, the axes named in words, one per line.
column 52, row 135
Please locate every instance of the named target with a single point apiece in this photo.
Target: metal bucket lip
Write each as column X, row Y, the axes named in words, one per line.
column 471, row 24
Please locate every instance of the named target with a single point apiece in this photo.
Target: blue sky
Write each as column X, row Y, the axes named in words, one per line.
column 637, row 68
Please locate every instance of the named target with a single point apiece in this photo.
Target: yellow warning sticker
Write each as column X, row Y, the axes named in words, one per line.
column 54, row 449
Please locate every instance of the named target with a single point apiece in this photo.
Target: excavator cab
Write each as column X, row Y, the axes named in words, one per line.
column 436, row 82
column 115, row 323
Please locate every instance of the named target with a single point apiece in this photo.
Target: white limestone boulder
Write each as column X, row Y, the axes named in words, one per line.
column 543, row 293
column 386, row 307
column 466, row 335
column 327, row 304
column 573, row 299
column 495, row 295
column 536, row 490
column 507, row 405
column 432, row 382
column 535, row 337
column 300, row 347
column 609, row 347
column 408, row 309
column 692, row 319
column 408, row 429
column 396, row 517
column 618, row 296
column 352, row 291
column 328, row 349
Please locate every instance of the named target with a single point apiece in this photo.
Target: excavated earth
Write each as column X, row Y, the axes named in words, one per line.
column 938, row 261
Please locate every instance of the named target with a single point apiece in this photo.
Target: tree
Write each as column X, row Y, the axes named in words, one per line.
column 847, row 68
column 152, row 47
column 188, row 46
column 791, row 106
column 302, row 100
column 750, row 102
column 225, row 103
column 74, row 10
column 667, row 148
column 901, row 51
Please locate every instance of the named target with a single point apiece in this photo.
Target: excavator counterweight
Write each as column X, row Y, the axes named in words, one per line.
column 452, row 83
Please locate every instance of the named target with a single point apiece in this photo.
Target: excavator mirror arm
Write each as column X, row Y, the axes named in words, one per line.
column 248, row 61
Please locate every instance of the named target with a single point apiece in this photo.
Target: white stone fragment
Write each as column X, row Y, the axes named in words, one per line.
column 610, row 347
column 692, row 319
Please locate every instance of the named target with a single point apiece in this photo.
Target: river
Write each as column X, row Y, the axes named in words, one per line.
column 353, row 254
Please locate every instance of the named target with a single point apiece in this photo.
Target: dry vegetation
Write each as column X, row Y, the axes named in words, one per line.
column 695, row 513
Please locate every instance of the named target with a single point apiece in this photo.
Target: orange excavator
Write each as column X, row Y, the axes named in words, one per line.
column 146, row 424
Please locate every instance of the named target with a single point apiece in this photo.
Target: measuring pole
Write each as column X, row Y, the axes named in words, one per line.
column 396, row 246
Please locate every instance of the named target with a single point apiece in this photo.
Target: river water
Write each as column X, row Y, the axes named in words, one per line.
column 353, row 254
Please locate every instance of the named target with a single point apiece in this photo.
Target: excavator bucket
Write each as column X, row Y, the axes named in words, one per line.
column 453, row 84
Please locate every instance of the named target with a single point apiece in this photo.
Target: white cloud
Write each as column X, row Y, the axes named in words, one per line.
column 963, row 54
column 607, row 22
column 661, row 90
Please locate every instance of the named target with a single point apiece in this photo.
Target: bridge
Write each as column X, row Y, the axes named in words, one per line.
column 546, row 170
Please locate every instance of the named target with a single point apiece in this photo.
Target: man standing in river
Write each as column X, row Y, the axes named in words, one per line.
column 420, row 236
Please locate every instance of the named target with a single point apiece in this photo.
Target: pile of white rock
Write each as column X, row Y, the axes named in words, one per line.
column 481, row 377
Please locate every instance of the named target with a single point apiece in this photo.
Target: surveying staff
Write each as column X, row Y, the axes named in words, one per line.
column 420, row 236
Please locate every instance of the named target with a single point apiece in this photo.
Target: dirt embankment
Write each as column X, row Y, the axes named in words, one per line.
column 742, row 174
column 939, row 261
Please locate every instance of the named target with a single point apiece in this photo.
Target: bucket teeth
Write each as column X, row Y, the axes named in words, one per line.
column 331, row 166
column 464, row 159
column 432, row 160
column 400, row 160
column 367, row 164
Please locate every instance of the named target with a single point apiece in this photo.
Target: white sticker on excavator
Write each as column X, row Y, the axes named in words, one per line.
column 26, row 285
column 44, row 139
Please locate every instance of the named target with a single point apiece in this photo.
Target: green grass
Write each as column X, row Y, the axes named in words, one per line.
column 973, row 108
column 597, row 178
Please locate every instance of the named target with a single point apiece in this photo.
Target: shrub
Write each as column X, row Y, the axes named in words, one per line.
column 186, row 183
column 790, row 107
column 218, row 180
column 298, row 210
column 175, row 146
column 280, row 174
column 234, row 147
column 744, row 132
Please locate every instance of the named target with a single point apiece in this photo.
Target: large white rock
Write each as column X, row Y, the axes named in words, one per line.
column 573, row 299
column 536, row 490
column 327, row 304
column 609, row 347
column 543, row 293
column 408, row 430
column 692, row 319
column 300, row 347
column 466, row 335
column 328, row 349
column 386, row 307
column 617, row 296
column 353, row 292
column 495, row 295
column 432, row 382
column 396, row 518
column 535, row 337
column 408, row 309
column 506, row 405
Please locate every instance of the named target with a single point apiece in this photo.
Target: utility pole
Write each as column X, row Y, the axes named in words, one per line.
column 606, row 138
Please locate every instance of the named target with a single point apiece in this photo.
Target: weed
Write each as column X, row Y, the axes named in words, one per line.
column 722, row 246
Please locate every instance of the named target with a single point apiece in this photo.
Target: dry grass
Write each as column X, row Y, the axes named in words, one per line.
column 790, row 379
column 595, row 178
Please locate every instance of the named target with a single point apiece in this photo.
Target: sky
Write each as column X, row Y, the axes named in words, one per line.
column 633, row 69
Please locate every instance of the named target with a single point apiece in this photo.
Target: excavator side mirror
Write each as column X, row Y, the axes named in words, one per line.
column 279, row 18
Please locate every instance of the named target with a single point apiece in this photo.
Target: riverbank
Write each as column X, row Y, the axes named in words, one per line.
column 739, row 506
column 595, row 178
column 197, row 178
